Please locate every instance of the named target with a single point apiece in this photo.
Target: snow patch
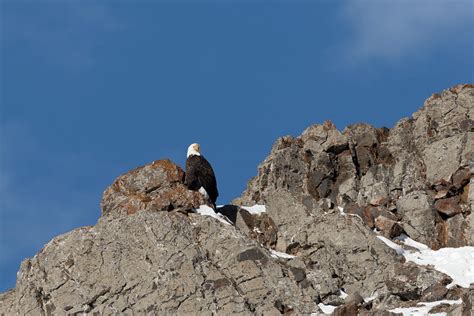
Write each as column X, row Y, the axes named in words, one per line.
column 455, row 262
column 326, row 309
column 370, row 298
column 424, row 309
column 343, row 294
column 341, row 210
column 257, row 209
column 410, row 242
column 277, row 254
column 208, row 211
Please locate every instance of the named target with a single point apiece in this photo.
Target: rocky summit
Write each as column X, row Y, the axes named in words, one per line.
column 343, row 223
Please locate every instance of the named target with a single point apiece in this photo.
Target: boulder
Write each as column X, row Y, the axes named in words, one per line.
column 387, row 227
column 410, row 282
column 418, row 216
column 154, row 187
column 449, row 206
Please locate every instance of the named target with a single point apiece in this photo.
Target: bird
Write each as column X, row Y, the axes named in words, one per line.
column 199, row 175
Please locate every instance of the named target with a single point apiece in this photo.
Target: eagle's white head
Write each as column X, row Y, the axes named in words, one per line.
column 194, row 149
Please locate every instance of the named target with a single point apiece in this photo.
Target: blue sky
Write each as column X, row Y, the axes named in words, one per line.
column 92, row 89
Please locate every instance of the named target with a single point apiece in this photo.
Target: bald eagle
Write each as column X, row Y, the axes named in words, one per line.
column 199, row 174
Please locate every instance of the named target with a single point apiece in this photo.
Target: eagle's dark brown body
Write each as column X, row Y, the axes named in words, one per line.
column 199, row 174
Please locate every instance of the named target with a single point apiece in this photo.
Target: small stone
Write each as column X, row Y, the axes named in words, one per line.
column 436, row 292
column 461, row 177
column 298, row 273
column 440, row 194
column 449, row 206
column 389, row 228
column 464, row 197
column 378, row 200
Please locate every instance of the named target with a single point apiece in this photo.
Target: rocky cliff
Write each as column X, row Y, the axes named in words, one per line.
column 330, row 198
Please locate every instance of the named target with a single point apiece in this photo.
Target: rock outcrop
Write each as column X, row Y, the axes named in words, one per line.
column 328, row 196
column 419, row 173
column 155, row 187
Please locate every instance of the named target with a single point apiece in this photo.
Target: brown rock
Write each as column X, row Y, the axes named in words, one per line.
column 154, row 187
column 464, row 197
column 349, row 309
column 436, row 292
column 461, row 177
column 364, row 213
column 259, row 227
column 380, row 211
column 378, row 200
column 442, row 185
column 449, row 206
column 389, row 228
column 453, row 232
column 409, row 281
column 441, row 194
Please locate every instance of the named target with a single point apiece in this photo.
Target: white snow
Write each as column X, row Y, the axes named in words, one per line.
column 370, row 298
column 410, row 242
column 458, row 263
column 343, row 294
column 341, row 210
column 208, row 211
column 392, row 245
column 326, row 309
column 257, row 209
column 277, row 254
column 423, row 308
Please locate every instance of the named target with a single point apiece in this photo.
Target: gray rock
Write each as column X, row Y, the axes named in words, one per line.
column 442, row 157
column 259, row 227
column 150, row 254
column 456, row 228
column 418, row 216
column 365, row 165
column 7, row 303
column 156, row 261
column 410, row 282
column 325, row 137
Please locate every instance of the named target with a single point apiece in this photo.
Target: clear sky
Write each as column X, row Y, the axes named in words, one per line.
column 91, row 89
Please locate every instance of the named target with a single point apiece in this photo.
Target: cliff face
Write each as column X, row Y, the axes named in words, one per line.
column 417, row 173
column 150, row 253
